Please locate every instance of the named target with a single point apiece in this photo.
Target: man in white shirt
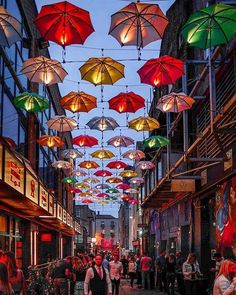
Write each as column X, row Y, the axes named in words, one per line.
column 97, row 279
column 116, row 270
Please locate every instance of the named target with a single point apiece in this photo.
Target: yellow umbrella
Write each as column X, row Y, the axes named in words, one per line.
column 102, row 154
column 128, row 173
column 82, row 185
column 102, row 71
column 144, row 124
column 114, row 180
column 85, row 195
column 89, row 165
column 103, row 202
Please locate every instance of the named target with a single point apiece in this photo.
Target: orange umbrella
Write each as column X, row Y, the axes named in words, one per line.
column 102, row 71
column 78, row 102
column 138, row 24
column 175, row 102
column 50, row 141
column 89, row 165
column 102, row 154
column 144, row 124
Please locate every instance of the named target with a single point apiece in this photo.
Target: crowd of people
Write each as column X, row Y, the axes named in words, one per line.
column 101, row 275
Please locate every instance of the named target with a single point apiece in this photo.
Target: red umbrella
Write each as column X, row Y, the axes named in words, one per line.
column 126, row 102
column 87, row 201
column 74, row 190
column 123, row 186
column 161, row 71
column 116, row 165
column 64, row 23
column 103, row 195
column 103, row 173
column 85, row 140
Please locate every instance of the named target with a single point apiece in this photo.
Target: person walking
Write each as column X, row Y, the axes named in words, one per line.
column 116, row 271
column 161, row 272
column 145, row 270
column 5, row 286
column 132, row 271
column 170, row 273
column 138, row 270
column 124, row 262
column 179, row 274
column 225, row 282
column 191, row 271
column 97, row 279
column 15, row 275
column 78, row 273
column 59, row 277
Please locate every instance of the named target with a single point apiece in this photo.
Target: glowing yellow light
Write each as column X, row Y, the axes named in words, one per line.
column 167, row 107
column 156, row 82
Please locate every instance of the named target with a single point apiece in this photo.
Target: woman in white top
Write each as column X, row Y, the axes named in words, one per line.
column 191, row 271
column 225, row 282
column 132, row 270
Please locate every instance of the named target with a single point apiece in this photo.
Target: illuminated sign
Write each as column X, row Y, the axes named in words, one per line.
column 43, row 198
column 64, row 216
column 14, row 172
column 32, row 188
column 51, row 205
column 59, row 211
column 1, row 161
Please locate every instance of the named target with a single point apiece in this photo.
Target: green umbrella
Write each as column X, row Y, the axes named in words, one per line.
column 112, row 191
column 211, row 26
column 31, row 102
column 69, row 180
column 156, row 141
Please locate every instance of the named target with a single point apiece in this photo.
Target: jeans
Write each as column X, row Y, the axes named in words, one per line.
column 146, row 276
column 115, row 286
column 60, row 286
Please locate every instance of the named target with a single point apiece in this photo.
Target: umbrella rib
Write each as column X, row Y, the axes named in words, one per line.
column 12, row 27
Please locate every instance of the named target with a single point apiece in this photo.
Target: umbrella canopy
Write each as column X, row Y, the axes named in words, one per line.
column 71, row 154
column 31, row 102
column 138, row 24
column 126, row 102
column 82, row 185
column 144, row 124
column 91, row 180
column 123, row 186
column 128, row 173
column 87, row 201
column 134, row 155
column 89, row 165
column 145, row 165
column 102, row 123
column 62, row 124
column 133, row 202
column 102, row 186
column 69, row 180
column 114, row 180
column 156, row 141
column 62, row 165
column 44, row 70
column 136, row 180
column 103, row 202
column 94, row 191
column 74, row 190
column 64, row 23
column 102, row 195
column 122, row 141
column 103, row 173
column 78, row 102
column 161, row 71
column 125, row 197
column 102, row 154
column 79, row 172
column 175, row 102
column 112, row 191
column 102, row 71
column 50, row 141
column 210, row 26
column 10, row 28
column 116, row 165
column 85, row 141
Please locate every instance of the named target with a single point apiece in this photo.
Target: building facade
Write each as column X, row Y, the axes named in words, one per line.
column 107, row 232
column 36, row 209
column 194, row 179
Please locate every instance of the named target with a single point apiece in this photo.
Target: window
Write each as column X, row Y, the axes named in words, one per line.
column 112, row 224
column 102, row 224
column 10, row 120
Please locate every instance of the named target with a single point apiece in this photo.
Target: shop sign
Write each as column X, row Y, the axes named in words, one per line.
column 14, row 172
column 32, row 188
column 59, row 211
column 68, row 219
column 43, row 198
column 1, row 161
column 183, row 185
column 55, row 210
column 64, row 216
column 51, row 205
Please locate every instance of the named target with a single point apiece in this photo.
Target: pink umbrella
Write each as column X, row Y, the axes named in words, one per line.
column 145, row 165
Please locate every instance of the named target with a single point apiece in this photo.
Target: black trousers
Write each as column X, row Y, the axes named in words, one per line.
column 132, row 276
column 190, row 287
column 115, row 286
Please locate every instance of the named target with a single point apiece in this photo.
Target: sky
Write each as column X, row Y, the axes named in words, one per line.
column 76, row 55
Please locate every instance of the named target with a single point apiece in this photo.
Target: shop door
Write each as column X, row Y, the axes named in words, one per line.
column 185, row 240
